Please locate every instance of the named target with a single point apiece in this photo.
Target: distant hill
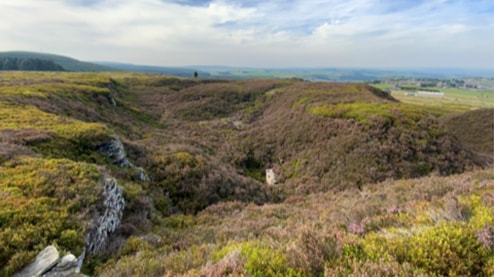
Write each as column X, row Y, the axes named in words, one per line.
column 51, row 62
column 340, row 74
column 173, row 71
column 28, row 64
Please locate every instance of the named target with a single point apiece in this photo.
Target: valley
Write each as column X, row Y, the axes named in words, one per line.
column 366, row 181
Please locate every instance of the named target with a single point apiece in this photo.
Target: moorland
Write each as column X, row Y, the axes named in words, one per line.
column 366, row 184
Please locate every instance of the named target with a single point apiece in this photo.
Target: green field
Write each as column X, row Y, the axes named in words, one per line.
column 453, row 101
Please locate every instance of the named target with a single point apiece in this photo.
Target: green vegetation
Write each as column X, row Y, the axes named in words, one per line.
column 475, row 130
column 43, row 202
column 9, row 63
column 366, row 184
column 49, row 62
column 395, row 228
column 363, row 112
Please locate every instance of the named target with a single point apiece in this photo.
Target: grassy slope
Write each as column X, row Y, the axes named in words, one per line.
column 331, row 136
column 433, row 226
column 50, row 169
column 203, row 142
column 475, row 129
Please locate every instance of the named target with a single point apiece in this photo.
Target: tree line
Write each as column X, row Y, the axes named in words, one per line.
column 28, row 64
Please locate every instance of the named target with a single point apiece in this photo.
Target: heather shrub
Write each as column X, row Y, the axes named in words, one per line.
column 179, row 221
column 134, row 245
column 364, row 267
column 310, row 252
column 325, row 137
column 190, row 181
column 475, row 129
column 144, row 263
column 232, row 264
column 187, row 260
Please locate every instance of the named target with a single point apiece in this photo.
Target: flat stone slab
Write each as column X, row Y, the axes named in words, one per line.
column 44, row 261
column 67, row 266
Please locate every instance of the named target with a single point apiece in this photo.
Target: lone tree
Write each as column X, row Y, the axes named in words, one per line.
column 195, row 74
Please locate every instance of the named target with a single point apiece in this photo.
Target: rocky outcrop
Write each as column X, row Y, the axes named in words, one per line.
column 116, row 152
column 67, row 266
column 107, row 222
column 48, row 264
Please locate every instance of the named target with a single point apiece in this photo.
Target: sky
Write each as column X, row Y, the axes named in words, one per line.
column 256, row 33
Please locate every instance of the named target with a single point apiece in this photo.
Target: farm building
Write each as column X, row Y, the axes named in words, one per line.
column 431, row 93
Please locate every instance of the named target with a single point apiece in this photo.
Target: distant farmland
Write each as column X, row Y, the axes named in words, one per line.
column 453, row 100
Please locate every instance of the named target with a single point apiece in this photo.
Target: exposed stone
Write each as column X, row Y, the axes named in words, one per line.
column 108, row 222
column 44, row 261
column 81, row 257
column 270, row 177
column 68, row 266
column 116, row 152
column 140, row 175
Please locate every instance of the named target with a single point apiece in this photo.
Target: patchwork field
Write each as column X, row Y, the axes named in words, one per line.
column 453, row 101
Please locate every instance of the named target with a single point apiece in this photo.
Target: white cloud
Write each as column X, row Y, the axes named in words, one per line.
column 263, row 33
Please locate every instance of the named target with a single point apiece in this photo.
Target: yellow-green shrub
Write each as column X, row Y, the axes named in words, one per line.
column 68, row 138
column 41, row 204
column 447, row 249
column 259, row 260
column 450, row 249
column 481, row 215
column 134, row 245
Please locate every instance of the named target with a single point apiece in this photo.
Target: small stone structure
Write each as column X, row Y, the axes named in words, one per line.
column 270, row 177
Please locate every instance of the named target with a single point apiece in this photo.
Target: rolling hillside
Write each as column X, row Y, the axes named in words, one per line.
column 31, row 61
column 67, row 64
column 123, row 169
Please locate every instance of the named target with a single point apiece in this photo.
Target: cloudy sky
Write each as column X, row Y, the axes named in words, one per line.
column 256, row 33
